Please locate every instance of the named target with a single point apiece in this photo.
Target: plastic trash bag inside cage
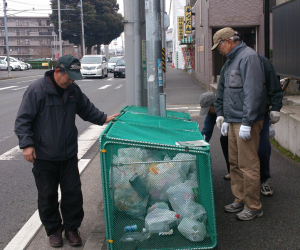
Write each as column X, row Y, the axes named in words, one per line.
column 192, row 229
column 128, row 201
column 186, row 162
column 161, row 220
column 162, row 176
column 180, row 196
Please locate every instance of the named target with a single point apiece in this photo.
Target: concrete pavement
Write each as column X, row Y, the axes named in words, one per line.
column 277, row 229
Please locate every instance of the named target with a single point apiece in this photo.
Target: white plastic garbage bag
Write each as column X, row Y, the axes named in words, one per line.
column 192, row 229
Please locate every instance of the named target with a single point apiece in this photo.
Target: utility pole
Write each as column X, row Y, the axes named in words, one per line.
column 163, row 39
column 59, row 28
column 82, row 30
column 137, row 53
column 267, row 28
column 153, row 51
column 129, row 51
column 6, row 38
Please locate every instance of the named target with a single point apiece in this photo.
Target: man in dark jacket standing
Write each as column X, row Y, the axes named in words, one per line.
column 45, row 126
column 240, row 108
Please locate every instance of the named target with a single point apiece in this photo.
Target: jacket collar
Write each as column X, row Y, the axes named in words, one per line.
column 236, row 50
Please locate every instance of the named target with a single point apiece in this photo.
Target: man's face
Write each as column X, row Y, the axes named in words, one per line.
column 225, row 46
column 63, row 80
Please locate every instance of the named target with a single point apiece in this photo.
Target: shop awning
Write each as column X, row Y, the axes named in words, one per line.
column 187, row 40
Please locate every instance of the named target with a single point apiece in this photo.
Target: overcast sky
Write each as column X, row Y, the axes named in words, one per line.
column 33, row 7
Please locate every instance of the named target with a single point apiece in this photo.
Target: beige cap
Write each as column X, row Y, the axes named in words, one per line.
column 221, row 35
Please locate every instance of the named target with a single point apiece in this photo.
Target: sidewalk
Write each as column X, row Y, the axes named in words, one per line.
column 277, row 229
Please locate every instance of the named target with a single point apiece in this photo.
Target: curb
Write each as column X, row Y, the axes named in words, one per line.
column 96, row 239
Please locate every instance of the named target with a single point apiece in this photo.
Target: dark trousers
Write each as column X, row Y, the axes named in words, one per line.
column 48, row 175
column 264, row 151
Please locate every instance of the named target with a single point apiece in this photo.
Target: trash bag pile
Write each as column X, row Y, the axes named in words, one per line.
column 162, row 191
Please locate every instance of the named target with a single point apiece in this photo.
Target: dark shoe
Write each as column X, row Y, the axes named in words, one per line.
column 234, row 207
column 227, row 177
column 73, row 237
column 55, row 240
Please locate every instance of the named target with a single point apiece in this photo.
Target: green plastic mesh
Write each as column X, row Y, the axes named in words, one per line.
column 147, row 179
column 144, row 110
column 157, row 121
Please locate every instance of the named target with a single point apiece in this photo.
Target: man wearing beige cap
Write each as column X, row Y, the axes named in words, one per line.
column 240, row 107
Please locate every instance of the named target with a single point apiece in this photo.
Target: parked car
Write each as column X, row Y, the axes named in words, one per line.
column 112, row 63
column 3, row 65
column 94, row 66
column 13, row 63
column 119, row 70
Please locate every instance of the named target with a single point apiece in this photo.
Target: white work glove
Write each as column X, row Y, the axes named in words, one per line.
column 274, row 116
column 245, row 132
column 224, row 128
column 271, row 132
column 219, row 121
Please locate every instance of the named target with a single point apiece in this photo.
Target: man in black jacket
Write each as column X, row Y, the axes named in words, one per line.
column 45, row 126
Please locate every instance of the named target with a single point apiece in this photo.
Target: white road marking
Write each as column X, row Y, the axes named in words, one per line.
column 105, row 86
column 8, row 87
column 21, row 88
column 109, row 79
column 86, row 80
column 10, row 154
column 118, row 86
column 31, row 227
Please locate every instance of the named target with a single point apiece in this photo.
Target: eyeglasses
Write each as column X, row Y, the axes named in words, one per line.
column 218, row 48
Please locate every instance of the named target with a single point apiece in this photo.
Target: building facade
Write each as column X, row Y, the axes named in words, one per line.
column 31, row 38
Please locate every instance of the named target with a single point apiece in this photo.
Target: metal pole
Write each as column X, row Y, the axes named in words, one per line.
column 267, row 29
column 129, row 51
column 137, row 53
column 59, row 28
column 6, row 38
column 163, row 39
column 153, row 52
column 82, row 30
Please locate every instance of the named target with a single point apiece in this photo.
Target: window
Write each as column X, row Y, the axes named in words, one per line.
column 48, row 22
column 39, row 22
column 3, row 42
column 17, row 32
column 27, row 42
column 18, row 41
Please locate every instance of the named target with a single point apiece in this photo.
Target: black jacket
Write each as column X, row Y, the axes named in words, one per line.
column 47, row 122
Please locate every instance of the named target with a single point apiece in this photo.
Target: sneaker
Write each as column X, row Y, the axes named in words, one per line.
column 249, row 215
column 73, row 237
column 266, row 189
column 227, row 177
column 234, row 207
column 55, row 240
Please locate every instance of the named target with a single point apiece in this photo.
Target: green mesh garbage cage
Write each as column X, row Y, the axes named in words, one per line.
column 156, row 194
column 144, row 110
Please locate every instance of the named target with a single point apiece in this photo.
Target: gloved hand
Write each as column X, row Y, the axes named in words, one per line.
column 245, row 132
column 274, row 116
column 224, row 128
column 271, row 132
column 219, row 121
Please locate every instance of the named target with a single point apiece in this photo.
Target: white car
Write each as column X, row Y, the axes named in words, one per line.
column 13, row 63
column 94, row 66
column 112, row 63
column 3, row 65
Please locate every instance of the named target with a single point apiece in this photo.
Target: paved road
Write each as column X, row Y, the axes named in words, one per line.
column 18, row 192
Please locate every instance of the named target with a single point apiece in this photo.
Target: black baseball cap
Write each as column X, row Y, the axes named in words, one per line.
column 72, row 66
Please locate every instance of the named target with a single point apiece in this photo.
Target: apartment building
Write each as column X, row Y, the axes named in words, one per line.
column 31, row 38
